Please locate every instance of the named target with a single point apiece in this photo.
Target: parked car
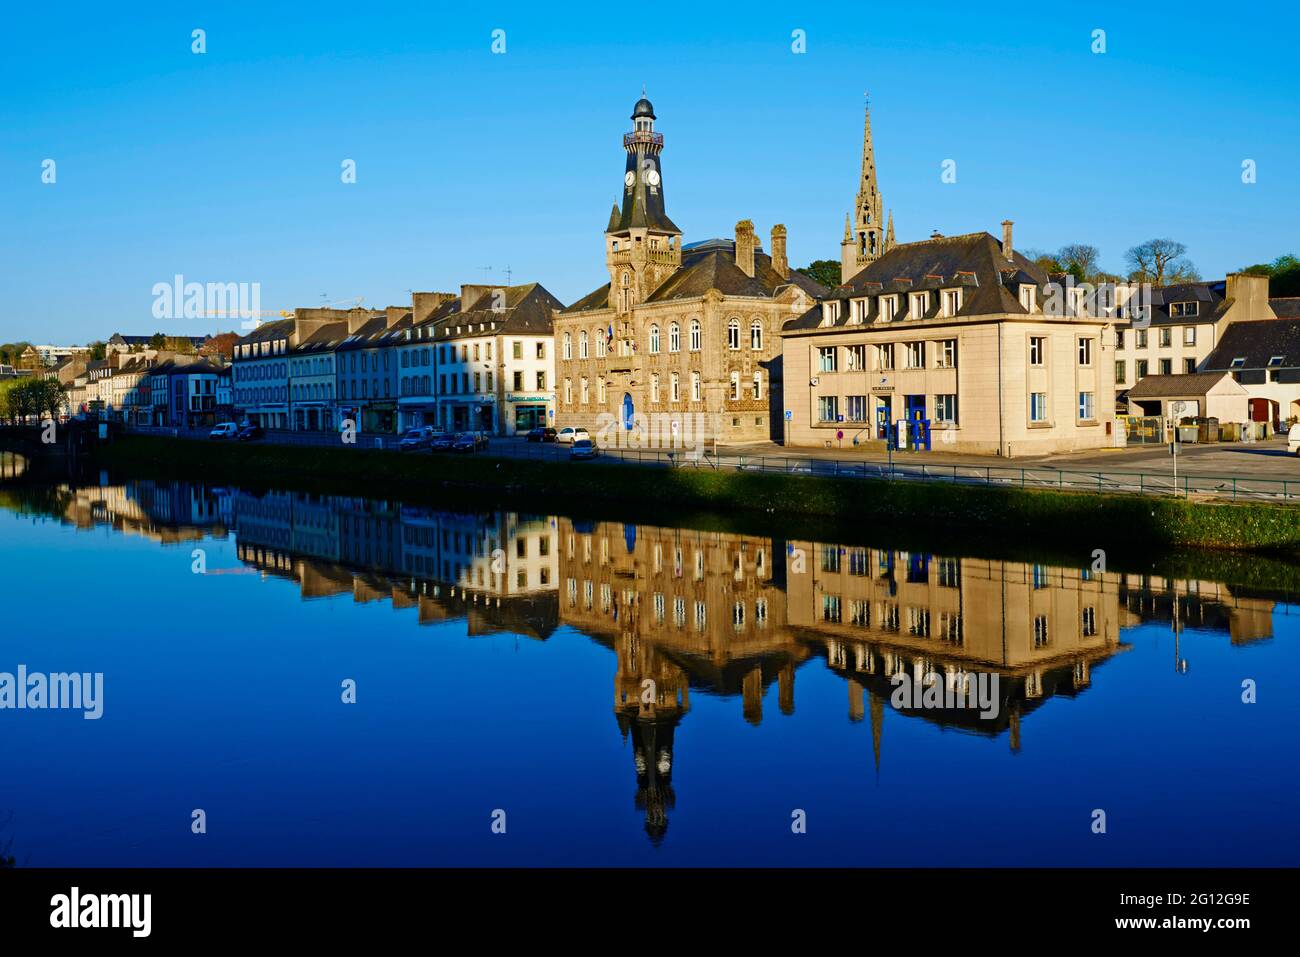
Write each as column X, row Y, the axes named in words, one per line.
column 442, row 442
column 583, row 449
column 470, row 442
column 248, row 433
column 417, row 438
column 224, row 430
column 1293, row 439
column 543, row 433
column 568, row 436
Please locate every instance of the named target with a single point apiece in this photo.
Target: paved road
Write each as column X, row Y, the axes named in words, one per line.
column 1261, row 471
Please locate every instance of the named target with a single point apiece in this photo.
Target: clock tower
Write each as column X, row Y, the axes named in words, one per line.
column 643, row 247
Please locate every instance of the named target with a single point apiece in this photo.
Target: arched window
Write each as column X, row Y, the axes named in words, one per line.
column 674, row 338
column 600, row 343
column 756, row 335
column 695, row 335
column 582, row 344
column 654, row 340
column 568, row 346
column 733, row 334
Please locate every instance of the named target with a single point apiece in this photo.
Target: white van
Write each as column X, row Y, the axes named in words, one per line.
column 1293, row 439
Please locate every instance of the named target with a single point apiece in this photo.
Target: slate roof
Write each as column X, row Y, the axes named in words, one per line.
column 374, row 334
column 1209, row 296
column 1172, row 386
column 325, row 339
column 1286, row 308
column 711, row 264
column 1256, row 342
column 268, row 331
column 972, row 261
column 527, row 310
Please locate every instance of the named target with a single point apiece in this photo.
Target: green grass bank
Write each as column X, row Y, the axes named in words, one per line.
column 1045, row 519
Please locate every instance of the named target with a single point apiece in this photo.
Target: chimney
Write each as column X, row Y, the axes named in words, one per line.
column 425, row 304
column 1006, row 240
column 470, row 295
column 935, row 234
column 1249, row 295
column 357, row 318
column 780, row 265
column 745, row 244
column 394, row 314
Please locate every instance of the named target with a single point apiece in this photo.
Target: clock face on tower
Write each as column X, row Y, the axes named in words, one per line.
column 629, row 179
column 652, row 177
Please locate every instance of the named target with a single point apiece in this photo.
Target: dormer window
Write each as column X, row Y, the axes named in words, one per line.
column 858, row 311
column 1179, row 310
column 1276, row 360
column 830, row 312
column 951, row 302
column 1028, row 297
column 888, row 308
column 1238, row 362
column 920, row 304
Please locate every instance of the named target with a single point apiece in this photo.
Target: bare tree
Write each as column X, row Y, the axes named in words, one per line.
column 1160, row 262
column 1080, row 259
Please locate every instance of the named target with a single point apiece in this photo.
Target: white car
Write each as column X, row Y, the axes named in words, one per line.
column 224, row 430
column 568, row 436
column 1293, row 439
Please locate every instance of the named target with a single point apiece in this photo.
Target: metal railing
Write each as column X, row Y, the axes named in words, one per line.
column 905, row 467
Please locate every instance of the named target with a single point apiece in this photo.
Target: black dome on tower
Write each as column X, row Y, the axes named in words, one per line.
column 643, row 108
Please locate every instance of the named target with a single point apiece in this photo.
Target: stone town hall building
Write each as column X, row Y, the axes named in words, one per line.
column 682, row 345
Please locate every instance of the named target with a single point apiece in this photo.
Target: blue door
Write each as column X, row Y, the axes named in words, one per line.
column 628, row 411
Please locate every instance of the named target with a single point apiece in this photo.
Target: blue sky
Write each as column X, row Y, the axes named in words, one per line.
column 225, row 167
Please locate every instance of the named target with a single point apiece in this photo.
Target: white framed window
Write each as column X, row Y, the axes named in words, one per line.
column 586, row 392
column 695, row 335
column 1038, row 407
column 1087, row 407
column 945, row 408
column 885, row 357
column 951, row 302
column 674, row 338
column 888, row 308
column 756, row 335
column 1028, row 297
column 568, row 345
column 582, row 344
column 946, row 354
column 1085, row 352
column 568, row 391
column 654, row 340
column 674, row 388
column 826, row 359
column 695, row 387
column 915, row 355
column 855, row 358
column 758, row 385
column 735, row 386
column 1037, row 350
column 1189, row 335
column 828, row 408
column 1179, row 310
column 733, row 334
column 600, row 390
column 599, row 335
column 920, row 303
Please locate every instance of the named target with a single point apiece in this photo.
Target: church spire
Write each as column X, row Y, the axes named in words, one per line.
column 866, row 239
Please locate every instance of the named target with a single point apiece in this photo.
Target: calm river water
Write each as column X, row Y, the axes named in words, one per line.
column 344, row 681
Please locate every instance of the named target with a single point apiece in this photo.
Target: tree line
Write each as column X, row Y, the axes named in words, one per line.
column 30, row 397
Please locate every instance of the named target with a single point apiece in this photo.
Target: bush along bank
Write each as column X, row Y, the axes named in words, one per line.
column 1041, row 517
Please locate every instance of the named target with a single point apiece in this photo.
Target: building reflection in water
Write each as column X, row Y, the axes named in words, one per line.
column 687, row 611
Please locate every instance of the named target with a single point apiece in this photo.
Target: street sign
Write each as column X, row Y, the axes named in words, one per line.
column 789, row 415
